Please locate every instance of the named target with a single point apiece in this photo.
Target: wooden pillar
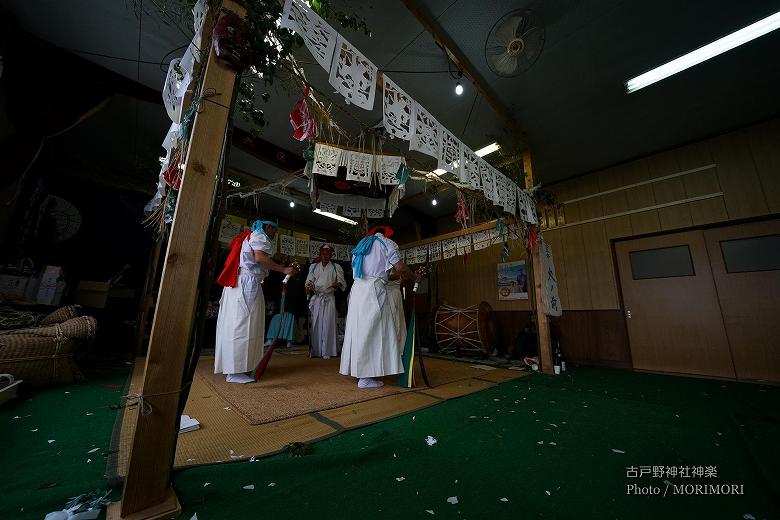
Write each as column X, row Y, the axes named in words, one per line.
column 147, row 491
column 542, row 321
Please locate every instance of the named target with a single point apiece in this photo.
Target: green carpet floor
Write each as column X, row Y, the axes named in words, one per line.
column 539, row 447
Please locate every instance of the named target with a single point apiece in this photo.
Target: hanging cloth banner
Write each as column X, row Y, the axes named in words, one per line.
column 550, row 299
column 353, row 75
column 397, row 110
column 319, row 37
column 427, row 132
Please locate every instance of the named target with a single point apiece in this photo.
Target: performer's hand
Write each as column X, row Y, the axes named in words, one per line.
column 290, row 270
column 336, row 285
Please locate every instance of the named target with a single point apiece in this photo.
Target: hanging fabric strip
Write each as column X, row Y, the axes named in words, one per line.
column 353, row 75
column 397, row 110
column 319, row 37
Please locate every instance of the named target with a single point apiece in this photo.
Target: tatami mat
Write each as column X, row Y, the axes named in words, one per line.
column 226, row 434
column 367, row 412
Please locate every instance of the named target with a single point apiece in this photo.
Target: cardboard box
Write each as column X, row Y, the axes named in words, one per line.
column 92, row 294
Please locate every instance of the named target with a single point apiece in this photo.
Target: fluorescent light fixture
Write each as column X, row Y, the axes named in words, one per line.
column 482, row 152
column 735, row 39
column 439, row 171
column 334, row 216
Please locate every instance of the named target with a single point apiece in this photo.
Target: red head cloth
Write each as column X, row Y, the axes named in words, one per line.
column 229, row 275
column 318, row 258
column 385, row 230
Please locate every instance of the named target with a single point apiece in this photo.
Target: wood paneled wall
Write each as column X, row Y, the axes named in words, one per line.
column 747, row 172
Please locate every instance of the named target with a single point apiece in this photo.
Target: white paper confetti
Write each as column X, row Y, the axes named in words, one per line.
column 89, row 460
column 93, row 450
column 548, row 493
column 194, row 517
column 90, row 413
column 35, row 430
column 429, row 439
column 249, row 487
column 271, row 484
column 17, row 417
column 504, row 499
column 429, row 511
column 453, row 500
column 52, row 440
column 226, row 408
column 552, row 443
column 207, row 484
column 617, row 451
column 400, row 479
column 748, row 516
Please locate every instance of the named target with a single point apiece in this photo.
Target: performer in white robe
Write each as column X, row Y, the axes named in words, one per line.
column 372, row 346
column 241, row 319
column 321, row 283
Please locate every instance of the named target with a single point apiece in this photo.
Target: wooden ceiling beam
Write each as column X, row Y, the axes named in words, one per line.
column 429, row 22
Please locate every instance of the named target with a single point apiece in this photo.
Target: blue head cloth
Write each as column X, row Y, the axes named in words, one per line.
column 360, row 251
column 257, row 226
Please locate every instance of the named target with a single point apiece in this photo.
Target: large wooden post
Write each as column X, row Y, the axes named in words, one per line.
column 147, row 491
column 542, row 321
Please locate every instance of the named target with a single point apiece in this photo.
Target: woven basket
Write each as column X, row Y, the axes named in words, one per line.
column 63, row 314
column 43, row 356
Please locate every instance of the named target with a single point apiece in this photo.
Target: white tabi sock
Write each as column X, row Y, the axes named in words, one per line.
column 367, row 382
column 239, row 378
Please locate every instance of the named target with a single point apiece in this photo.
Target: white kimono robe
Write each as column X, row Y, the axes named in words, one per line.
column 394, row 293
column 241, row 320
column 372, row 347
column 323, row 307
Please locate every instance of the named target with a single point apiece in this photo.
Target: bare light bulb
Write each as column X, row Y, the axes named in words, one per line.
column 458, row 88
column 434, row 201
column 292, row 203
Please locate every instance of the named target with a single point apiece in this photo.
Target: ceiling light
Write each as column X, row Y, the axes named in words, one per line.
column 439, row 171
column 292, row 203
column 434, row 201
column 334, row 216
column 458, row 88
column 735, row 39
column 482, row 152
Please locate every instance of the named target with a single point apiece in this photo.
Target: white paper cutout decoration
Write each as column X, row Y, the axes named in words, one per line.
column 301, row 247
column 427, row 132
column 449, row 247
column 388, row 168
column 351, row 211
column 199, row 11
column 359, row 166
column 353, row 75
column 527, row 206
column 343, row 252
column 314, row 248
column 434, row 251
column 327, row 159
column 449, row 153
column 471, row 173
column 397, row 110
column 171, row 98
column 319, row 37
column 287, row 245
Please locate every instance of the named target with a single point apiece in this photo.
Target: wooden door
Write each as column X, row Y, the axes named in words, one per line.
column 745, row 263
column 672, row 313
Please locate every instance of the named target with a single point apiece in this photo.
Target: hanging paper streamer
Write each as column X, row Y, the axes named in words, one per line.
column 319, row 37
column 287, row 245
column 199, row 11
column 343, row 252
column 486, row 176
column 359, row 166
column 471, row 172
column 328, row 207
column 449, row 153
column 353, row 75
column 527, row 206
column 481, row 240
column 388, row 168
column 173, row 81
column 434, row 251
column 375, row 213
column 327, row 159
column 427, row 132
column 351, row 211
column 301, row 247
column 510, row 204
column 551, row 302
column 464, row 245
column 397, row 110
column 304, row 126
column 449, row 247
column 314, row 248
